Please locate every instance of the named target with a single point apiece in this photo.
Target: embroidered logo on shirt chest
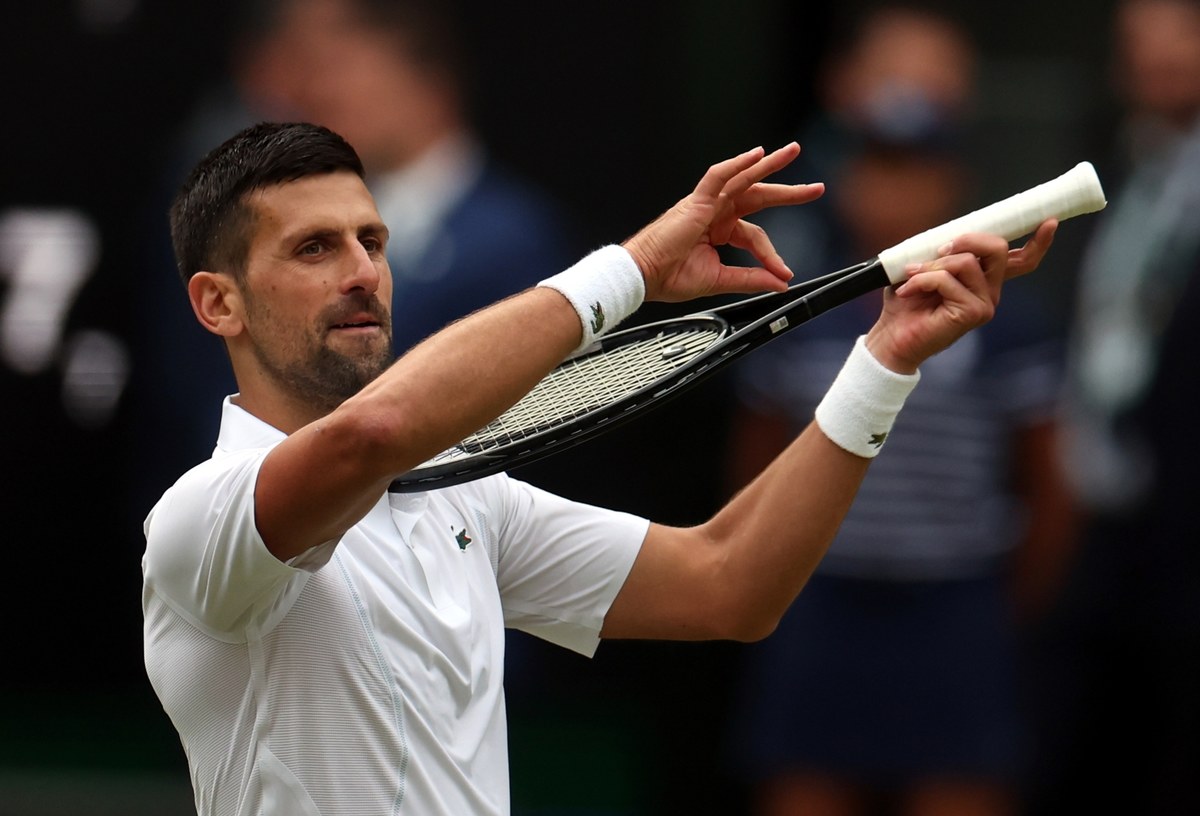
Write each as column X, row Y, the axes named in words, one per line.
column 461, row 538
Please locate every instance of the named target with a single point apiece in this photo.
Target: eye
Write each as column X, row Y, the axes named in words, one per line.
column 312, row 248
column 372, row 244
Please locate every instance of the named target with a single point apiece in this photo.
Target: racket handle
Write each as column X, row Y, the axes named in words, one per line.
column 1073, row 193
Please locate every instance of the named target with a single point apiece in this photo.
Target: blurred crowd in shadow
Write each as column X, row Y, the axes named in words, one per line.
column 1009, row 620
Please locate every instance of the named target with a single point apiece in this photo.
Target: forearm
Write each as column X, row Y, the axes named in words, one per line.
column 804, row 494
column 467, row 374
column 324, row 477
column 734, row 576
column 779, row 527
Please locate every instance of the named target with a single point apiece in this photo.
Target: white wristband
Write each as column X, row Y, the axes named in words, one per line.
column 860, row 407
column 605, row 288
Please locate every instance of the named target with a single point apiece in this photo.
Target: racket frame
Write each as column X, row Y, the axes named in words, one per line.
column 749, row 323
column 742, row 326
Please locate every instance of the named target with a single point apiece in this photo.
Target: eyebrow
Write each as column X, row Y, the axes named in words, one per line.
column 376, row 228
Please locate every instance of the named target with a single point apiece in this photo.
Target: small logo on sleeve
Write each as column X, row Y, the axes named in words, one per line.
column 597, row 318
column 877, row 440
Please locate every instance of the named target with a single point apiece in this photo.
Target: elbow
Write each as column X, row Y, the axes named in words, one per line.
column 737, row 604
column 382, row 438
column 403, row 428
column 763, row 629
column 744, row 615
column 751, row 628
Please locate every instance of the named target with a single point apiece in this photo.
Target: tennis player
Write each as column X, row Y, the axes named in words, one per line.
column 326, row 647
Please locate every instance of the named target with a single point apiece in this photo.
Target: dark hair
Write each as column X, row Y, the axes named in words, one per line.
column 210, row 220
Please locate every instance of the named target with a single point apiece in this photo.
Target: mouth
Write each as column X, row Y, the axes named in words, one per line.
column 359, row 318
column 356, row 323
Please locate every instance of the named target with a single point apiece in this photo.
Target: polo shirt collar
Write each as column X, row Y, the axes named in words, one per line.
column 241, row 429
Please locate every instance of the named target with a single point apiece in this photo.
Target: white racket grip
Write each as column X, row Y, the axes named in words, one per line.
column 1075, row 192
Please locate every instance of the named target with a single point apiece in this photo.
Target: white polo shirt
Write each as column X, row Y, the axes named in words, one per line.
column 365, row 677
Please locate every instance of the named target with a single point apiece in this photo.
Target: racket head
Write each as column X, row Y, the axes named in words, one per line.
column 589, row 392
column 627, row 372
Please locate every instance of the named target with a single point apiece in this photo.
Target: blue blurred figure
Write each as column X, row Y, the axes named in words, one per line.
column 894, row 679
column 387, row 75
column 390, row 76
column 1124, row 649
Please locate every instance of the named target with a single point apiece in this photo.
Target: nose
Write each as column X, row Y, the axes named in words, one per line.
column 363, row 271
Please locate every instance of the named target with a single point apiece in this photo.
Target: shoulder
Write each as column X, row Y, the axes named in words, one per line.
column 211, row 494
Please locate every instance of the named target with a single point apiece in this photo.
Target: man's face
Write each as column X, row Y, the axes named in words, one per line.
column 317, row 289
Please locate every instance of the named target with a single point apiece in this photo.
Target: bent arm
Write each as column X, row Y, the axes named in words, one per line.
column 734, row 576
column 324, row 477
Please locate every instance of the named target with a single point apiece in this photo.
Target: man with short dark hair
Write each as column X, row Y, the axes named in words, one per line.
column 324, row 646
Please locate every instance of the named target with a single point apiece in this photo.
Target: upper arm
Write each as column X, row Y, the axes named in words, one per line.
column 203, row 552
column 317, row 484
column 560, row 563
column 667, row 593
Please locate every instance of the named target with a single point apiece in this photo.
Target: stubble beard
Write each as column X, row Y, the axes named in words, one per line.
column 326, row 378
column 313, row 373
column 306, row 367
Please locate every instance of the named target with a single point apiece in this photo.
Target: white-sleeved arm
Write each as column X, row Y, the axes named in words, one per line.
column 561, row 564
column 205, row 557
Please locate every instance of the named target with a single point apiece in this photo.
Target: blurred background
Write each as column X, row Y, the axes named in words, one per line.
column 612, row 111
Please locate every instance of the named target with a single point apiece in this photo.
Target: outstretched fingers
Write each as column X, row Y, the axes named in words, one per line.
column 733, row 177
column 677, row 253
column 769, row 164
column 718, row 177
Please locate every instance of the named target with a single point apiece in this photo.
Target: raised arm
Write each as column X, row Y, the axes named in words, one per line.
column 328, row 473
column 734, row 576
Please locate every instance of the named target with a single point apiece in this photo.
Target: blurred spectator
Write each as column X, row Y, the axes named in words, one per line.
column 893, row 681
column 387, row 76
column 392, row 77
column 465, row 231
column 1127, row 639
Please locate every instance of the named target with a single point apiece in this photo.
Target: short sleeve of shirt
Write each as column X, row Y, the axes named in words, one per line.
column 561, row 564
column 205, row 558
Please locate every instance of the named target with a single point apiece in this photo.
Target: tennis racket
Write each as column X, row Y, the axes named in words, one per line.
column 628, row 372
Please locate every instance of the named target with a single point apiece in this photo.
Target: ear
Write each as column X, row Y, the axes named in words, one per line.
column 217, row 302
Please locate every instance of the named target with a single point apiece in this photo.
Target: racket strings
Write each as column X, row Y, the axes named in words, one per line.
column 580, row 386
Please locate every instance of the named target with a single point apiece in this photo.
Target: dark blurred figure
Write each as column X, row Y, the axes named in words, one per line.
column 387, row 75
column 1122, row 721
column 391, row 76
column 394, row 77
column 892, row 686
